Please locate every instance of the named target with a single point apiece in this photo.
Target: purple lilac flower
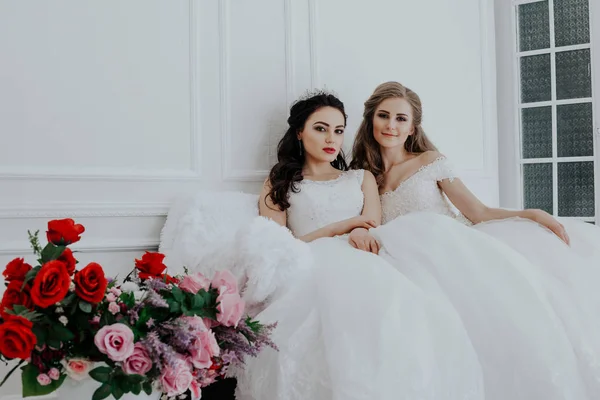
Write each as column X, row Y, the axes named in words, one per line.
column 155, row 300
column 244, row 341
column 229, row 357
column 160, row 353
column 179, row 333
column 156, row 285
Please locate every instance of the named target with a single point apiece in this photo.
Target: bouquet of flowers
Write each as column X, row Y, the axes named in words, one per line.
column 152, row 331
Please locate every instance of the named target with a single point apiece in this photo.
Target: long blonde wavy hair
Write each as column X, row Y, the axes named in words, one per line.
column 365, row 151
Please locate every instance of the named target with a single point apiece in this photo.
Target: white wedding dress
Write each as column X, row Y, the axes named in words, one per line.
column 353, row 327
column 511, row 281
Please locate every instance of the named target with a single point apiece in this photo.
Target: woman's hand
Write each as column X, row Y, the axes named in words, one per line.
column 547, row 220
column 348, row 225
column 361, row 239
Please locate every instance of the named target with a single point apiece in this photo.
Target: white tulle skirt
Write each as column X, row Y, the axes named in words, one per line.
column 445, row 312
column 355, row 328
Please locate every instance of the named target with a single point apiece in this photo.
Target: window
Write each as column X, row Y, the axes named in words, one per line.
column 556, row 138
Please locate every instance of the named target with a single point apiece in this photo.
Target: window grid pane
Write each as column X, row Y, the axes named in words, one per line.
column 534, row 26
column 537, row 184
column 576, row 189
column 571, row 22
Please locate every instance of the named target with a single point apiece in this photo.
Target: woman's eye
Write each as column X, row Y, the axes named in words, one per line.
column 382, row 116
column 339, row 131
column 401, row 119
column 320, row 128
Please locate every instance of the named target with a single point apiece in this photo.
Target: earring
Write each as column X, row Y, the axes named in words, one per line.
column 300, row 145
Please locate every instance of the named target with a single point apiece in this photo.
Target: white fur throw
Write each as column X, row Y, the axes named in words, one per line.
column 200, row 230
column 213, row 231
column 269, row 256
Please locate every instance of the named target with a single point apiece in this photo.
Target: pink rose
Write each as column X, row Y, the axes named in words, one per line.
column 176, row 381
column 196, row 390
column 116, row 341
column 231, row 308
column 204, row 347
column 77, row 368
column 225, row 278
column 111, row 297
column 115, row 291
column 210, row 322
column 54, row 374
column 139, row 361
column 193, row 283
column 43, row 379
column 114, row 308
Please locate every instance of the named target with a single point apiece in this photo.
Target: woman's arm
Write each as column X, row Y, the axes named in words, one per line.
column 268, row 209
column 360, row 238
column 472, row 208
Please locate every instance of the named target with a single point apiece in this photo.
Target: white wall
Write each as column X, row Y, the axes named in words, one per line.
column 109, row 110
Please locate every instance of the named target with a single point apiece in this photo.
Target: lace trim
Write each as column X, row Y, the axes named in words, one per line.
column 419, row 171
column 342, row 174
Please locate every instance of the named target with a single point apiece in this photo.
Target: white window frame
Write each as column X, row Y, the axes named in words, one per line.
column 510, row 154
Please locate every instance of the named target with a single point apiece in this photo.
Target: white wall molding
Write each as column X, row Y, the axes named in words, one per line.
column 250, row 175
column 94, row 173
column 83, row 209
column 488, row 99
column 315, row 78
column 20, row 249
column 79, row 173
column 195, row 90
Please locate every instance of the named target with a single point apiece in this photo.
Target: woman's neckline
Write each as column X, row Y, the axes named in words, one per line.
column 342, row 173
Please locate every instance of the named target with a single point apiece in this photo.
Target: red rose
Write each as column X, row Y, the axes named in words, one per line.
column 90, row 283
column 151, row 265
column 16, row 270
column 16, row 338
column 13, row 295
column 64, row 231
column 70, row 261
column 51, row 284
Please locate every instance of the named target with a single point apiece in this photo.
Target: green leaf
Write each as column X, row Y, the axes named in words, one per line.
column 101, row 374
column 102, row 392
column 52, row 252
column 174, row 306
column 135, row 378
column 125, row 385
column 185, row 310
column 107, row 319
column 178, row 294
column 31, row 387
column 85, row 307
column 34, row 240
column 53, row 343
column 40, row 333
column 136, row 388
column 59, row 332
column 19, row 309
column 147, row 386
column 197, row 301
column 128, row 299
column 69, row 299
column 30, row 275
column 117, row 392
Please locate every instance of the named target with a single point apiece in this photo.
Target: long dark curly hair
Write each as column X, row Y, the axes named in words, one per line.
column 290, row 153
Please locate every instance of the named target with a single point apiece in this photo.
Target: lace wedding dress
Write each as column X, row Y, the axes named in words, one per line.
column 353, row 327
column 516, row 274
